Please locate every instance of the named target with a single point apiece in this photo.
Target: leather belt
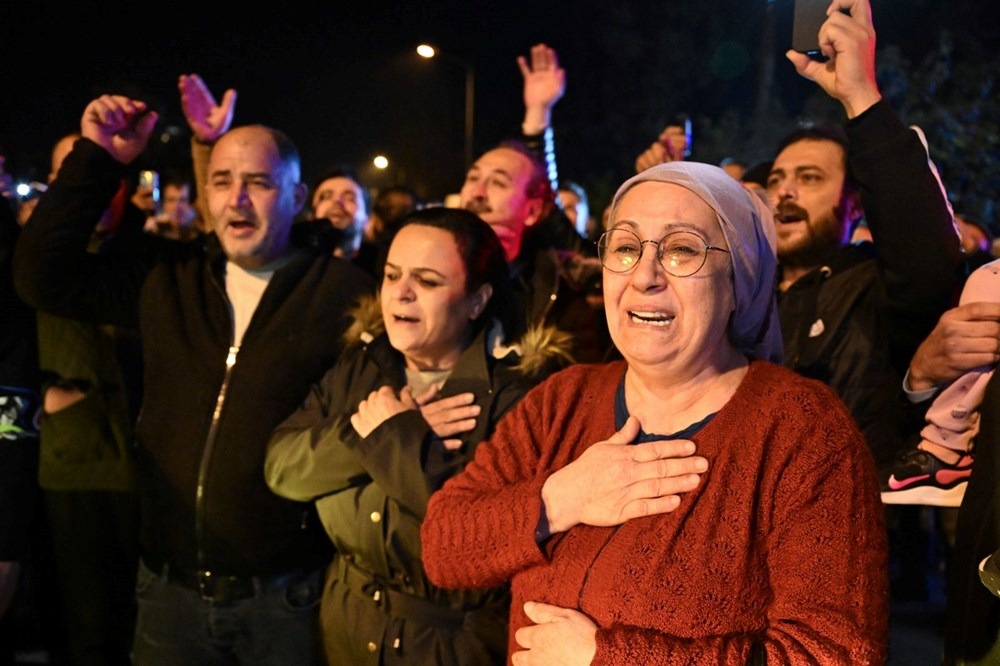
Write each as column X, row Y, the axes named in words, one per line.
column 221, row 589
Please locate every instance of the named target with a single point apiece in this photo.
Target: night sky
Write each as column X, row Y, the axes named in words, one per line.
column 345, row 83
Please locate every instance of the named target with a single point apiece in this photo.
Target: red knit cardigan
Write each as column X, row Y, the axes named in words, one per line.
column 782, row 543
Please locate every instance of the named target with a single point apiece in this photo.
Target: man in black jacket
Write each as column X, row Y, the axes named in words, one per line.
column 234, row 332
column 852, row 315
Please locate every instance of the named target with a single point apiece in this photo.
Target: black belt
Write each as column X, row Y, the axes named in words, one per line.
column 221, row 589
column 393, row 601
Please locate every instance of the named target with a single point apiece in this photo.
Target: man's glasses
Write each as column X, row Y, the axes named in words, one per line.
column 681, row 253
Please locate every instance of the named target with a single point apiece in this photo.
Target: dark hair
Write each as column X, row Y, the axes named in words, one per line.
column 387, row 209
column 575, row 188
column 758, row 173
column 539, row 186
column 177, row 176
column 341, row 171
column 483, row 257
column 809, row 131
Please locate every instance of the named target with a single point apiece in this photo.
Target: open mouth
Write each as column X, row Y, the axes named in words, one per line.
column 405, row 319
column 790, row 215
column 651, row 318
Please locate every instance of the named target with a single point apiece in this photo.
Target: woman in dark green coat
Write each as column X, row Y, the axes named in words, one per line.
column 400, row 413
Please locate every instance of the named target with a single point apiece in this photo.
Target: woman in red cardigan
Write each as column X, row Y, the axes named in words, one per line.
column 694, row 503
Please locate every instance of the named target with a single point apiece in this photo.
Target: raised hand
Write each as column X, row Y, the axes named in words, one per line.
column 849, row 43
column 668, row 147
column 613, row 481
column 207, row 120
column 559, row 637
column 121, row 125
column 544, row 85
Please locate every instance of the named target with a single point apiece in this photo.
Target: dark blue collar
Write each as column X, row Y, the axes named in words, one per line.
column 621, row 415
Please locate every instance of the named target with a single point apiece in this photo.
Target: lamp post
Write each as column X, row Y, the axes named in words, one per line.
column 428, row 51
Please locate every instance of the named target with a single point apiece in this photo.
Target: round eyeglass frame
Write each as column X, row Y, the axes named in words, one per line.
column 602, row 246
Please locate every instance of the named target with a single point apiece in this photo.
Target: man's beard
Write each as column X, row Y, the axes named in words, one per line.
column 819, row 242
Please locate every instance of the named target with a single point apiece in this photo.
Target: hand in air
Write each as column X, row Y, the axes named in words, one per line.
column 207, row 120
column 544, row 79
column 848, row 40
column 118, row 124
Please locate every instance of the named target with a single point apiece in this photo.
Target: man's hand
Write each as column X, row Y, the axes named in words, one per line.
column 448, row 417
column 849, row 43
column 559, row 637
column 378, row 407
column 613, row 481
column 118, row 124
column 965, row 338
column 544, row 85
column 207, row 120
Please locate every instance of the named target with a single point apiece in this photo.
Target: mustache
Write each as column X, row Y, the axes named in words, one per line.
column 790, row 211
column 477, row 206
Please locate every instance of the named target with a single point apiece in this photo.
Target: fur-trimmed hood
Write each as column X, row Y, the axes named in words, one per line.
column 542, row 350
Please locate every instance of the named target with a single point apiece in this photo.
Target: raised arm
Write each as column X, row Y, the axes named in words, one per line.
column 904, row 201
column 544, row 86
column 53, row 270
column 208, row 121
column 848, row 40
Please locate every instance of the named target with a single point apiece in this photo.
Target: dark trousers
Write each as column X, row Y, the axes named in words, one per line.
column 94, row 555
column 274, row 625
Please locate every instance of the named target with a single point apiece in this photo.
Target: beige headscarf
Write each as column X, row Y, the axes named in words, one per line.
column 748, row 225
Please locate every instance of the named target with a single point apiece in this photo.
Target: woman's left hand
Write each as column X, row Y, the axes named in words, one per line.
column 448, row 417
column 380, row 406
column 559, row 637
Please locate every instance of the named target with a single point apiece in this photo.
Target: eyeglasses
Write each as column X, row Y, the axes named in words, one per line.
column 681, row 253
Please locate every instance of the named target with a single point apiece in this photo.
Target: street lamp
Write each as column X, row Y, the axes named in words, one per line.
column 428, row 51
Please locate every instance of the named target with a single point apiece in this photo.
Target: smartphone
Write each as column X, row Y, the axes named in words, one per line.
column 807, row 18
column 683, row 121
column 688, row 135
column 150, row 180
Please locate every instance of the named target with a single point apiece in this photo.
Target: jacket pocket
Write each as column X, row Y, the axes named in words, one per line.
column 82, row 432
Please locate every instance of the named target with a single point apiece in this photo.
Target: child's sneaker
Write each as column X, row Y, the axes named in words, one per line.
column 919, row 477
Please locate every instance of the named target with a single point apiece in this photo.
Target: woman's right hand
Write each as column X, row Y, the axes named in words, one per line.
column 615, row 481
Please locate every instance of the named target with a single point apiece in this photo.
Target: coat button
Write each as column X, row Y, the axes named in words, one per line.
column 372, row 647
column 376, row 517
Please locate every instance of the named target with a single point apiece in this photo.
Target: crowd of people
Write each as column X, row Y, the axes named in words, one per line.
column 250, row 420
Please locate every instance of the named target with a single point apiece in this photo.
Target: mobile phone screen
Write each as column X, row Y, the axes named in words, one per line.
column 807, row 18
